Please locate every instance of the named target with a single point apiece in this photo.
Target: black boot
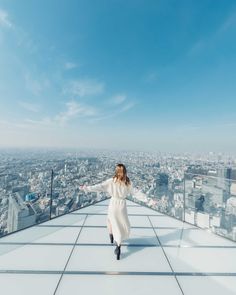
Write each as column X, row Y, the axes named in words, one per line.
column 117, row 252
column 111, row 238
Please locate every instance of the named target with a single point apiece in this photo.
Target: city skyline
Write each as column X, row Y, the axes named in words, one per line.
column 156, row 76
column 38, row 186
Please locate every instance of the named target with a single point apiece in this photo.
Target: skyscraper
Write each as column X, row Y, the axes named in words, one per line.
column 20, row 214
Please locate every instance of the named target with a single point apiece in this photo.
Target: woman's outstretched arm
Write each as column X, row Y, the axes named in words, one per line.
column 100, row 187
column 136, row 193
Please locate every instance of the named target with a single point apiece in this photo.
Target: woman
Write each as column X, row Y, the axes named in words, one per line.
column 118, row 187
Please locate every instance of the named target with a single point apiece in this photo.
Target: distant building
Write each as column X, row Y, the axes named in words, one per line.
column 231, row 206
column 197, row 182
column 196, row 169
column 62, row 210
column 161, row 182
column 30, row 197
column 22, row 190
column 202, row 220
column 199, row 203
column 20, row 214
column 226, row 178
column 68, row 203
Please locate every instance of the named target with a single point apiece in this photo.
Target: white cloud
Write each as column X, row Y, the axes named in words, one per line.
column 21, row 37
column 83, row 87
column 4, row 19
column 29, row 106
column 70, row 65
column 74, row 109
column 35, row 86
column 197, row 48
column 102, row 117
column 117, row 99
column 201, row 44
column 127, row 106
column 228, row 23
column 14, row 126
column 152, row 77
column 118, row 111
column 43, row 122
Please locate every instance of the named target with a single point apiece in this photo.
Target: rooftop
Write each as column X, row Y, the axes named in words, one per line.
column 73, row 253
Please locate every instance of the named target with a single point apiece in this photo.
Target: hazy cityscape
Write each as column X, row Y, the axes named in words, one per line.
column 37, row 185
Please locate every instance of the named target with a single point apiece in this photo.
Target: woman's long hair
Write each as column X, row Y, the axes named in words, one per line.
column 125, row 178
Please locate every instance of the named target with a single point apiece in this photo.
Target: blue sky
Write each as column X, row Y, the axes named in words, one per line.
column 148, row 75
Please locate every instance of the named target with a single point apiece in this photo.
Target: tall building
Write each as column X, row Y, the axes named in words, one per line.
column 20, row 214
column 227, row 176
column 21, row 190
column 162, row 182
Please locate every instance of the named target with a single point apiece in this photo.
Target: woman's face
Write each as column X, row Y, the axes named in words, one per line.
column 120, row 172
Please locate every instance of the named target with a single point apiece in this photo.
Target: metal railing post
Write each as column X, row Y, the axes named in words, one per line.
column 184, row 196
column 51, row 195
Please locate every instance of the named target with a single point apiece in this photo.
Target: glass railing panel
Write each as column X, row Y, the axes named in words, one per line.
column 202, row 200
column 210, row 202
column 164, row 194
column 205, row 201
column 66, row 194
column 25, row 199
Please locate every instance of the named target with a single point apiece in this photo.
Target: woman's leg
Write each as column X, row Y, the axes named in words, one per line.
column 109, row 226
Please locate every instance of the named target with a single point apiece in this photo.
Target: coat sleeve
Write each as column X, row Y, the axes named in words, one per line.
column 136, row 193
column 100, row 187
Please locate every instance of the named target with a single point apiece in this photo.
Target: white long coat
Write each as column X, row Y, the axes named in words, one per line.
column 117, row 209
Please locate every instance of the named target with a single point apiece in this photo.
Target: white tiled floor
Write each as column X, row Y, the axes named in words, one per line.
column 142, row 211
column 167, row 221
column 203, row 237
column 169, row 236
column 24, row 284
column 72, row 254
column 216, row 285
column 96, row 235
column 202, row 259
column 92, row 209
column 67, row 219
column 118, row 284
column 35, row 257
column 136, row 258
column 95, row 220
column 140, row 221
